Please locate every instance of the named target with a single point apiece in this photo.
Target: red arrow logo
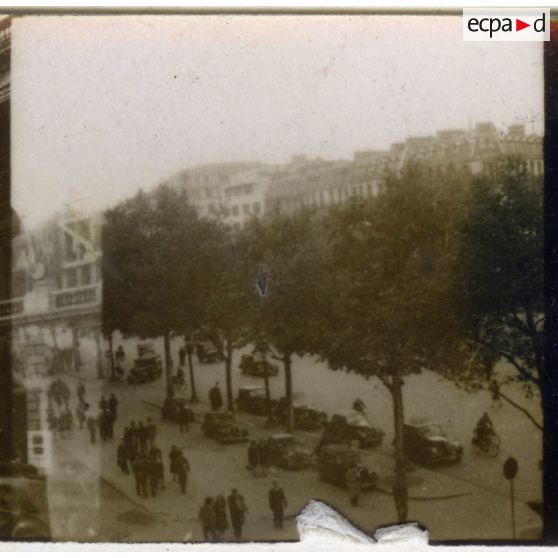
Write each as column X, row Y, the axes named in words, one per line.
column 519, row 25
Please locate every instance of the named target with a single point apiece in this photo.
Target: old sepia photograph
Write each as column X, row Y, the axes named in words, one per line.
column 256, row 263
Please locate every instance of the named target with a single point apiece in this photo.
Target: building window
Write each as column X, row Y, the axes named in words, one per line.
column 234, row 210
column 256, row 207
column 71, row 278
column 86, row 275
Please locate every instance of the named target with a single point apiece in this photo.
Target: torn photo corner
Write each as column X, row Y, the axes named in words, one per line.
column 270, row 278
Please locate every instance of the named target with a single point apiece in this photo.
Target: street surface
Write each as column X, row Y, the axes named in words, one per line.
column 469, row 500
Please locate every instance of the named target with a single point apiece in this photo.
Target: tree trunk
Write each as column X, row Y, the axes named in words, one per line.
column 189, row 351
column 228, row 370
column 400, row 495
column 98, row 337
column 168, row 364
column 289, row 392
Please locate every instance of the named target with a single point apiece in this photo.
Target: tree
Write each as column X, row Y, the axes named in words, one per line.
column 287, row 251
column 154, row 267
column 499, row 272
column 229, row 303
column 387, row 280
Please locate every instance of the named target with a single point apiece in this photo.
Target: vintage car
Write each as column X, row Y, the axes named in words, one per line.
column 426, row 444
column 284, row 452
column 253, row 367
column 306, row 417
column 146, row 368
column 252, row 399
column 351, row 427
column 335, row 460
column 222, row 427
column 174, row 407
column 24, row 510
column 208, row 353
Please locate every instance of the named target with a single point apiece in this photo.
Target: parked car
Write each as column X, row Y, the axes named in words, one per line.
column 249, row 365
column 173, row 408
column 286, row 454
column 208, row 353
column 426, row 444
column 145, row 348
column 351, row 426
column 306, row 417
column 335, row 460
column 24, row 510
column 222, row 427
column 146, row 368
column 252, row 399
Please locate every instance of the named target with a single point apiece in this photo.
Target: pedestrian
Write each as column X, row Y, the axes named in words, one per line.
column 184, row 418
column 152, row 474
column 134, row 439
column 104, row 425
column 277, row 503
column 103, row 404
column 173, row 460
column 157, row 455
column 142, row 437
column 207, row 519
column 80, row 414
column 150, row 432
column 182, row 356
column 354, row 484
column 122, row 456
column 237, row 511
column 495, row 392
column 221, row 521
column 253, row 457
column 183, row 468
column 215, row 397
column 113, row 406
column 140, row 473
column 92, row 427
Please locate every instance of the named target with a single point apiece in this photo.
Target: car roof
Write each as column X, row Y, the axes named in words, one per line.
column 252, row 387
column 420, row 422
column 281, row 436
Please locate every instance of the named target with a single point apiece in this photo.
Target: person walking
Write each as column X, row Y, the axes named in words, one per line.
column 237, row 511
column 207, row 520
column 103, row 404
column 184, row 419
column 221, row 521
column 122, row 457
column 150, row 432
column 113, row 406
column 142, row 437
column 120, row 355
column 92, row 427
column 173, row 462
column 140, row 467
column 183, row 468
column 153, row 474
column 278, row 504
column 253, row 458
column 215, row 397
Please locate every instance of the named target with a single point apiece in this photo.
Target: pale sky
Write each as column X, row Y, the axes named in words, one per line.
column 104, row 105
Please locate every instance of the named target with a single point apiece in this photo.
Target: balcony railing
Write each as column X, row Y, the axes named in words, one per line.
column 76, row 297
column 12, row 307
